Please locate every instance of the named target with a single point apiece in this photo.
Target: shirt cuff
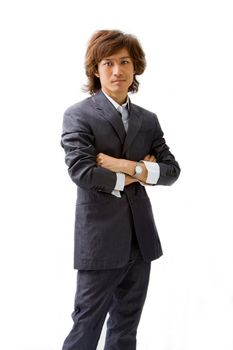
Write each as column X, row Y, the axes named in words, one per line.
column 116, row 193
column 153, row 170
column 120, row 184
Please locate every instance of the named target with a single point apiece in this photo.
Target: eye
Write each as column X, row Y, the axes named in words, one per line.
column 109, row 64
column 125, row 62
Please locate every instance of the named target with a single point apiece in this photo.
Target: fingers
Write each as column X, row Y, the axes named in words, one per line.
column 99, row 159
column 150, row 158
column 99, row 155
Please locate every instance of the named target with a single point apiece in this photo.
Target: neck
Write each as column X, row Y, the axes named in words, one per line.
column 120, row 98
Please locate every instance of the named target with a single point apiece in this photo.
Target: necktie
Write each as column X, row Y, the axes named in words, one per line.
column 124, row 114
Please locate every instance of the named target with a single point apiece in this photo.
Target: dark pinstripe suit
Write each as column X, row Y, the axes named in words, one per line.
column 113, row 269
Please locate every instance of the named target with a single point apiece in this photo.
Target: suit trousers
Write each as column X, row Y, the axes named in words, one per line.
column 120, row 292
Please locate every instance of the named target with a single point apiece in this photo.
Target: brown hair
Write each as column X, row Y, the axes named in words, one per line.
column 104, row 43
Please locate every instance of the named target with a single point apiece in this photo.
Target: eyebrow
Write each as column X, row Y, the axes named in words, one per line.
column 121, row 58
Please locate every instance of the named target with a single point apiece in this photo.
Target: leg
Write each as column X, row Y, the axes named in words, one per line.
column 92, row 301
column 126, row 308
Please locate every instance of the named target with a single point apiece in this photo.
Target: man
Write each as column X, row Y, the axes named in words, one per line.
column 113, row 150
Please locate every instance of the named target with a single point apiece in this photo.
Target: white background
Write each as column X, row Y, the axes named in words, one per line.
column 188, row 84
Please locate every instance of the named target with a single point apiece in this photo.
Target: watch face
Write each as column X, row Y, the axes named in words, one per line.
column 138, row 169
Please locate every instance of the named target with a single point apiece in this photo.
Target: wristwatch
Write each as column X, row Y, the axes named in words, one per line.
column 138, row 170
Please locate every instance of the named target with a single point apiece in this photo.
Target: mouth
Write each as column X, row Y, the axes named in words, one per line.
column 118, row 81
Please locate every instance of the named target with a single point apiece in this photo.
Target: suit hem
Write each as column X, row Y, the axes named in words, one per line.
column 86, row 264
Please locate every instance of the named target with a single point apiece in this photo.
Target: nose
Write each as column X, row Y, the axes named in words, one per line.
column 116, row 70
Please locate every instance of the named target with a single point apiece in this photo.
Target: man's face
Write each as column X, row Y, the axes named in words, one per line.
column 116, row 74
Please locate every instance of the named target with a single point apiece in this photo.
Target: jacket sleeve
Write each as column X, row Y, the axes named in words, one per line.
column 169, row 167
column 80, row 154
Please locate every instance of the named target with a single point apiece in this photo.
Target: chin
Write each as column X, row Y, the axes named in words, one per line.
column 119, row 88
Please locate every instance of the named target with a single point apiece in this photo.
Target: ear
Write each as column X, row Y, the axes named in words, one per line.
column 97, row 74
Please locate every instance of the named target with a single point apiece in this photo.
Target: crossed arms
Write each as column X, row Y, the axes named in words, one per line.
column 125, row 166
column 97, row 171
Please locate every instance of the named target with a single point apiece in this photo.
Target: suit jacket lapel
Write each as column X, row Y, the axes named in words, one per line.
column 109, row 112
column 135, row 121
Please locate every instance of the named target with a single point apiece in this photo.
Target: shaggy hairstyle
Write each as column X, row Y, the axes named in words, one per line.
column 104, row 43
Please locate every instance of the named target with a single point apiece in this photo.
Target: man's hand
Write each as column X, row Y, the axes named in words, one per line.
column 110, row 163
column 150, row 158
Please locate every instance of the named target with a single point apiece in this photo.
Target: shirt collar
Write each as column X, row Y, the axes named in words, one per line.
column 115, row 104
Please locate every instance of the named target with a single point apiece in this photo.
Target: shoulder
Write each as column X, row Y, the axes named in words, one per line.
column 79, row 106
column 77, row 116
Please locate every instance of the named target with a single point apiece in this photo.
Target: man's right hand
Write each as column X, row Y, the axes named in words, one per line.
column 150, row 158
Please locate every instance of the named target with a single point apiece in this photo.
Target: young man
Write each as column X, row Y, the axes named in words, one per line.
column 113, row 150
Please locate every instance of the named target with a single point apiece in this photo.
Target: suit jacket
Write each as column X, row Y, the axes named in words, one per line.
column 104, row 223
